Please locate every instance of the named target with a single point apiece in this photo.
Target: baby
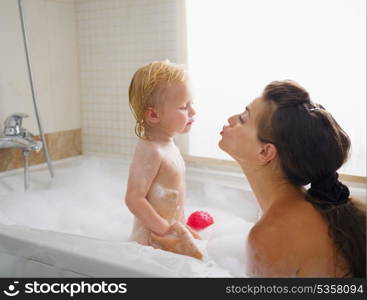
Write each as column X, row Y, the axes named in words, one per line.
column 161, row 102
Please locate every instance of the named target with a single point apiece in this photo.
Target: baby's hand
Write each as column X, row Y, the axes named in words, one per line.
column 178, row 240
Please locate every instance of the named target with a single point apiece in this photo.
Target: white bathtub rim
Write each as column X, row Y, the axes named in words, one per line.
column 95, row 257
column 22, row 240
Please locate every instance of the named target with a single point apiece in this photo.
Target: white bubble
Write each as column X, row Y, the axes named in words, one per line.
column 86, row 197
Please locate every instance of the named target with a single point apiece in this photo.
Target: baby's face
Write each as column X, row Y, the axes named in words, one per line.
column 177, row 114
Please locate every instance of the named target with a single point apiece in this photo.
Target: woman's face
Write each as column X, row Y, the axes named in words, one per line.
column 239, row 137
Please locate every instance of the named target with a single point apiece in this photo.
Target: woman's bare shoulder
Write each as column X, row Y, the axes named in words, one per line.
column 268, row 250
column 276, row 244
column 268, row 231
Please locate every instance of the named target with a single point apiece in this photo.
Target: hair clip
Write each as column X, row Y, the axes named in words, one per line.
column 313, row 108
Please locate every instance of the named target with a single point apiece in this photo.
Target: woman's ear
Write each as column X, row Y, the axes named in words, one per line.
column 268, row 152
column 152, row 116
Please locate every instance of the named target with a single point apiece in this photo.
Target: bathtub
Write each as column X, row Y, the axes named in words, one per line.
column 77, row 225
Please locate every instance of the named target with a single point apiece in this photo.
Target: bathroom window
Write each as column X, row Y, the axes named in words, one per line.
column 236, row 47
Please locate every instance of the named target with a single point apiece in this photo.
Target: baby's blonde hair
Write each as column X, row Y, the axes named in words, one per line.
column 145, row 84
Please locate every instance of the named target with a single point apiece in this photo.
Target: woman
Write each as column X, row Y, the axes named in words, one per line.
column 283, row 141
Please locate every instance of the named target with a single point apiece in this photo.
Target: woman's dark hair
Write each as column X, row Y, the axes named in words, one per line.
column 312, row 147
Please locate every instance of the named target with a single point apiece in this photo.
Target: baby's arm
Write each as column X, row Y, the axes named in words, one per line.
column 143, row 169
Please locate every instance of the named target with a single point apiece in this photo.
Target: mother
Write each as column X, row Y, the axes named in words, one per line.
column 283, row 141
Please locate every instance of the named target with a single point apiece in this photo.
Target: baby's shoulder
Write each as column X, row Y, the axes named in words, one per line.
column 148, row 148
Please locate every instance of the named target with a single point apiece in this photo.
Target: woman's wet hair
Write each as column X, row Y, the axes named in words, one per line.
column 311, row 147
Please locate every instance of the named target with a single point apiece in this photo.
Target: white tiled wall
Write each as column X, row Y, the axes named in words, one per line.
column 53, row 49
column 115, row 38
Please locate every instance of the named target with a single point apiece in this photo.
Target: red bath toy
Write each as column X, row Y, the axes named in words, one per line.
column 199, row 220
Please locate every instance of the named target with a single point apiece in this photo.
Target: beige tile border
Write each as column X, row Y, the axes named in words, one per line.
column 61, row 145
column 229, row 163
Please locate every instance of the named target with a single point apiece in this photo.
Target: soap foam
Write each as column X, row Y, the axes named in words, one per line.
column 86, row 197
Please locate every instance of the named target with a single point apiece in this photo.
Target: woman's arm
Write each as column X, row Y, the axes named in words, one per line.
column 178, row 240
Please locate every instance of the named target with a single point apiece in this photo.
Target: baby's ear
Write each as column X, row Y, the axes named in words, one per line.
column 152, row 116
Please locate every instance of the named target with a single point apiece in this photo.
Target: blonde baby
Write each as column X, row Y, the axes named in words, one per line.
column 161, row 102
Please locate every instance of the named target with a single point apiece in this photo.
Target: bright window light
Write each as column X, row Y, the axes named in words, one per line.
column 236, row 47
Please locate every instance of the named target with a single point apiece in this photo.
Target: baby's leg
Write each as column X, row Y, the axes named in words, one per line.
column 141, row 239
column 140, row 234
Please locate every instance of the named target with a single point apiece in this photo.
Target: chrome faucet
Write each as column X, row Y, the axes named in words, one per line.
column 15, row 136
column 13, row 124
